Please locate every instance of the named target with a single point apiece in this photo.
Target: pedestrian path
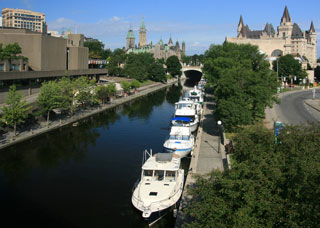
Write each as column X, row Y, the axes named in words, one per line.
column 208, row 154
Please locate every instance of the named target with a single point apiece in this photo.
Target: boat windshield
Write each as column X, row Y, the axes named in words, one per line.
column 179, row 137
column 147, row 173
column 158, row 175
column 184, row 105
column 170, row 175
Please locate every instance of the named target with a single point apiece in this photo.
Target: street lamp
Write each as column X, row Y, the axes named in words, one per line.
column 221, row 137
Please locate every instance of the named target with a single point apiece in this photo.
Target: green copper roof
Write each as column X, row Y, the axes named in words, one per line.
column 142, row 26
column 130, row 34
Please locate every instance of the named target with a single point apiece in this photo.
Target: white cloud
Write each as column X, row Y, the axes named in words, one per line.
column 115, row 18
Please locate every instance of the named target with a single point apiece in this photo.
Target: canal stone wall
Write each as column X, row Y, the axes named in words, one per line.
column 7, row 140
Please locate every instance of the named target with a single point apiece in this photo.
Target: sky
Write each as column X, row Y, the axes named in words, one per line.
column 199, row 23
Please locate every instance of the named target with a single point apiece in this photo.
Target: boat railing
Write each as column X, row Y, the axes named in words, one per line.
column 175, row 191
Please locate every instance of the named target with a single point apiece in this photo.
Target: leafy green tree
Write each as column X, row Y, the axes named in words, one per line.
column 288, row 66
column 49, row 98
column 135, row 84
column 317, row 73
column 84, row 90
column 16, row 110
column 173, row 66
column 102, row 93
column 126, row 86
column 117, row 58
column 66, row 94
column 269, row 185
column 156, row 72
column 137, row 65
column 111, row 89
column 242, row 81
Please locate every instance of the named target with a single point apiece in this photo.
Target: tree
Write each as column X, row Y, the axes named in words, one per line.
column 49, row 98
column 102, row 93
column 137, row 65
column 66, row 94
column 15, row 111
column 84, row 90
column 269, row 185
column 173, row 66
column 242, row 81
column 317, row 73
column 156, row 72
column 135, row 84
column 288, row 66
column 117, row 58
column 126, row 86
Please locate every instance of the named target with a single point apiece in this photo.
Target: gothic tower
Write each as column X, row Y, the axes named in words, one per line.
column 130, row 38
column 183, row 47
column 313, row 41
column 142, row 34
column 285, row 28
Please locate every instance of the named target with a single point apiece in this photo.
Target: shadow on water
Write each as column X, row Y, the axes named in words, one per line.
column 82, row 176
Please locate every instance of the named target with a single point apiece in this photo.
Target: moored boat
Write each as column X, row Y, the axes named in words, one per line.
column 186, row 118
column 160, row 186
column 180, row 141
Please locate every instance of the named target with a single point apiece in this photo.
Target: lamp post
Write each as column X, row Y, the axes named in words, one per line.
column 221, row 137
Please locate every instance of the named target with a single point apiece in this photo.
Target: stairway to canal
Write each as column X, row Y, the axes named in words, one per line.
column 208, row 154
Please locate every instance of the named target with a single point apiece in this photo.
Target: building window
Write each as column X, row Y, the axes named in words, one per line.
column 283, row 35
column 1, row 67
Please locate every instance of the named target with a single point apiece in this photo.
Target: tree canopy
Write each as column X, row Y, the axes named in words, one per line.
column 173, row 66
column 137, row 65
column 242, row 81
column 96, row 49
column 16, row 110
column 269, row 185
column 10, row 51
column 288, row 66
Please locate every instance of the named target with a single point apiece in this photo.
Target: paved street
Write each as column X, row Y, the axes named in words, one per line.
column 293, row 108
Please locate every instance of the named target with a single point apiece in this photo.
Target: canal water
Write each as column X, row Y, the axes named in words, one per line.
column 83, row 176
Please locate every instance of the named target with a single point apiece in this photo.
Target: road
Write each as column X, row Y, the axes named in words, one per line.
column 293, row 110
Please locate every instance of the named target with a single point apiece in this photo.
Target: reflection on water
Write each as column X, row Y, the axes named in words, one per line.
column 82, row 176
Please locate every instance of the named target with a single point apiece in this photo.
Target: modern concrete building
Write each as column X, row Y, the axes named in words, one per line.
column 159, row 50
column 289, row 39
column 47, row 53
column 25, row 19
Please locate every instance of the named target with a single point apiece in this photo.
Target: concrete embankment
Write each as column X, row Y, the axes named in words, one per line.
column 8, row 139
column 208, row 155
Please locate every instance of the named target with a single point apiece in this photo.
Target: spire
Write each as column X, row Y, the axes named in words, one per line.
column 170, row 41
column 312, row 27
column 142, row 26
column 240, row 21
column 285, row 17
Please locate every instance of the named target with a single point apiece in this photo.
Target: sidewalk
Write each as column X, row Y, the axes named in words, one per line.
column 208, row 154
column 8, row 139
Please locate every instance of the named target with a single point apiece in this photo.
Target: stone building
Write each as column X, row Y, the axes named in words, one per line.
column 159, row 50
column 289, row 39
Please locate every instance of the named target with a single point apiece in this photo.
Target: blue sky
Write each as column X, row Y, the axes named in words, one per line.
column 199, row 22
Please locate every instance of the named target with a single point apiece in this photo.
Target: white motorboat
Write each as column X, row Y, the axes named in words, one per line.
column 187, row 103
column 186, row 118
column 160, row 186
column 180, row 141
column 196, row 95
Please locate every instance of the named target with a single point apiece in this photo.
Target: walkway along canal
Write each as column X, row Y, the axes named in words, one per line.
column 42, row 128
column 82, row 176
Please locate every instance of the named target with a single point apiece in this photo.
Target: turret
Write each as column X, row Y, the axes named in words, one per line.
column 170, row 43
column 183, row 47
column 130, row 38
column 240, row 25
column 286, row 26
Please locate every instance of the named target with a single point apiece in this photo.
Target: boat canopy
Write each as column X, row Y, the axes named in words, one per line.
column 185, row 119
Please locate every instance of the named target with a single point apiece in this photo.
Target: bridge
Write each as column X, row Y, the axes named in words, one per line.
column 192, row 72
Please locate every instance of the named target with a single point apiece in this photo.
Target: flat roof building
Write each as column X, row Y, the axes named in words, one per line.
column 24, row 19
